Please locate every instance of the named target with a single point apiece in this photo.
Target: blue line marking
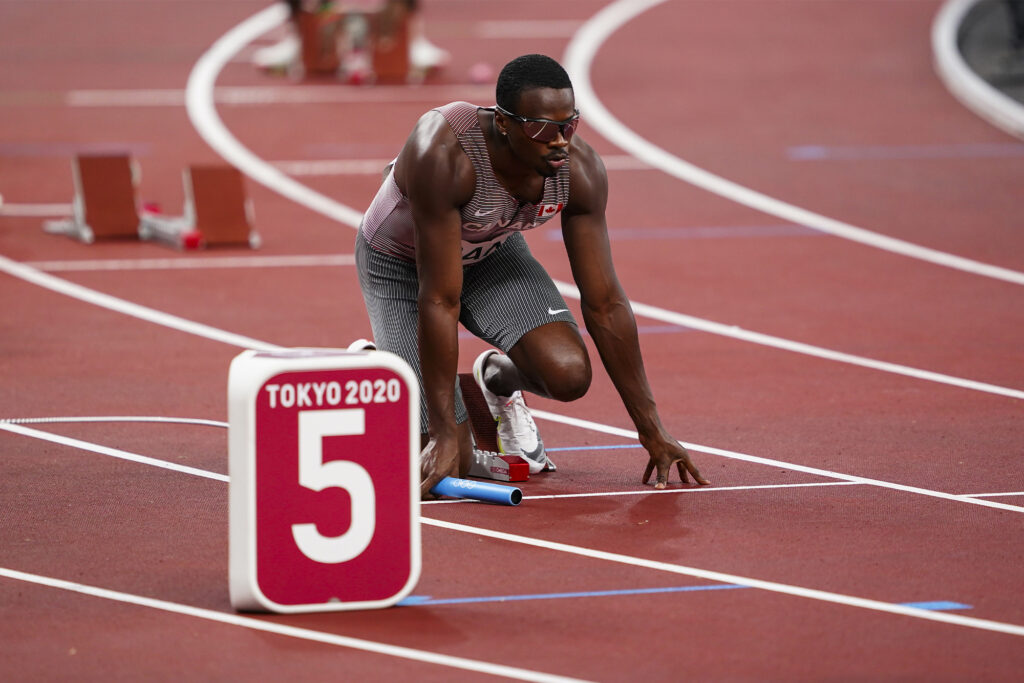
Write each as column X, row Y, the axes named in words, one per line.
column 427, row 600
column 937, row 605
column 701, row 232
column 857, row 153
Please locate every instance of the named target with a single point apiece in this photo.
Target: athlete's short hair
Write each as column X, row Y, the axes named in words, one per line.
column 524, row 73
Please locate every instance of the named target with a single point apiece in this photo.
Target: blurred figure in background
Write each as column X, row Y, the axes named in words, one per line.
column 423, row 55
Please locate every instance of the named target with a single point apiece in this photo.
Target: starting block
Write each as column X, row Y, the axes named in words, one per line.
column 217, row 212
column 488, row 463
column 358, row 43
column 105, row 204
column 324, row 500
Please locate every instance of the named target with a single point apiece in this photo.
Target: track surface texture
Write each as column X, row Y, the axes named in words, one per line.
column 859, row 412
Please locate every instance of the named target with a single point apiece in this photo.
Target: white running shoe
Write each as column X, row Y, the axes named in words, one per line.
column 362, row 345
column 280, row 55
column 517, row 433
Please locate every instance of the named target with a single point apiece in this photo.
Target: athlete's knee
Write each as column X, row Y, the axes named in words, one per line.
column 568, row 377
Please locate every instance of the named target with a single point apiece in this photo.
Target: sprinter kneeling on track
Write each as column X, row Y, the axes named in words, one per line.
column 441, row 243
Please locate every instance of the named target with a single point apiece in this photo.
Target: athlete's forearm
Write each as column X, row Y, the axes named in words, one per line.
column 439, row 358
column 614, row 332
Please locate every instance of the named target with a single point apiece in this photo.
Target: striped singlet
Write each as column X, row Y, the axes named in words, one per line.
column 490, row 216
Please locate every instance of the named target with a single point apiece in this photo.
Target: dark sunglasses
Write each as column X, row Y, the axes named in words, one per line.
column 545, row 130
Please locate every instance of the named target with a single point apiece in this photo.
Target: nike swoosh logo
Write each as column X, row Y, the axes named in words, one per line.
column 480, row 214
column 552, row 311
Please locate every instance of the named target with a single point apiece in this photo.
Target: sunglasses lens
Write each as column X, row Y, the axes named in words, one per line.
column 540, row 131
column 543, row 131
column 569, row 129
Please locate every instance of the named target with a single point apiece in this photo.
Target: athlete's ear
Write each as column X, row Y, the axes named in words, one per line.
column 500, row 123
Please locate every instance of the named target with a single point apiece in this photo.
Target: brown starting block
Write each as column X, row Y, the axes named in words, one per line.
column 217, row 212
column 358, row 44
column 488, row 463
column 105, row 204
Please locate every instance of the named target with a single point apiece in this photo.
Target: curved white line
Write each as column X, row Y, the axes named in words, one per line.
column 973, row 92
column 112, row 452
column 201, row 110
column 578, row 58
column 112, row 418
column 91, row 296
column 200, row 102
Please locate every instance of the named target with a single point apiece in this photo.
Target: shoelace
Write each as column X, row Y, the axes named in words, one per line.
column 522, row 422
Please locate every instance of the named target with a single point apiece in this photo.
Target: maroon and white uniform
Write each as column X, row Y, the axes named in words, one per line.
column 490, row 216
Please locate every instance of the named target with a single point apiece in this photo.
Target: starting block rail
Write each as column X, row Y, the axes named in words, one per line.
column 106, row 206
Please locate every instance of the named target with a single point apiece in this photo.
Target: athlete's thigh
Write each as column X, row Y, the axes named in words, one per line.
column 509, row 294
column 391, row 289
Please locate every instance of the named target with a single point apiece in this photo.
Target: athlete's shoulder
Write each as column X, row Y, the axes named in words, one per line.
column 432, row 155
column 588, row 179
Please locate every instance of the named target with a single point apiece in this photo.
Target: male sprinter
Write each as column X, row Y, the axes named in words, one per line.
column 441, row 243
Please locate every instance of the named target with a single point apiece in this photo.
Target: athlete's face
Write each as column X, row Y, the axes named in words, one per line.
column 545, row 157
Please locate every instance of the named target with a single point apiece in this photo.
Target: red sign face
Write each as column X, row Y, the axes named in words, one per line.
column 333, row 503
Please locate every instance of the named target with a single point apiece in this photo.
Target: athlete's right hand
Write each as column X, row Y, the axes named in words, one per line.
column 438, row 460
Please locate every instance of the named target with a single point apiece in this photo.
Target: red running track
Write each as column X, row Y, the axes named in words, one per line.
column 737, row 88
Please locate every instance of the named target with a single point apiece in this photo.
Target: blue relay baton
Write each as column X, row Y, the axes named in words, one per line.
column 478, row 490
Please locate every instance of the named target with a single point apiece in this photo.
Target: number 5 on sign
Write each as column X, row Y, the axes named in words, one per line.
column 315, row 474
column 324, row 493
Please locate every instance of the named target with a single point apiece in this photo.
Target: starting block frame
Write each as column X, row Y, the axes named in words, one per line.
column 324, row 497
column 488, row 463
column 105, row 203
column 217, row 212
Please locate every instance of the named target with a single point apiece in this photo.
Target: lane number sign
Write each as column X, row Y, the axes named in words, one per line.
column 324, row 493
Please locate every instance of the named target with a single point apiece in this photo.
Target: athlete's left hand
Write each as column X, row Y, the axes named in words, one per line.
column 665, row 452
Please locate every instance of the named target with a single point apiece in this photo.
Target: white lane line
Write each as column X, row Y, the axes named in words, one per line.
column 578, row 59
column 91, row 296
column 989, row 103
column 183, row 263
column 787, row 589
column 993, row 495
column 736, row 332
column 210, row 127
column 25, row 270
column 701, row 489
column 772, row 586
column 34, row 210
column 735, row 455
column 285, row 95
column 112, row 452
column 203, row 114
column 280, row 629
column 113, row 418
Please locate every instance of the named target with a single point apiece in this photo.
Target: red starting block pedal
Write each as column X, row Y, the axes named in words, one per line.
column 488, row 463
column 498, row 466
